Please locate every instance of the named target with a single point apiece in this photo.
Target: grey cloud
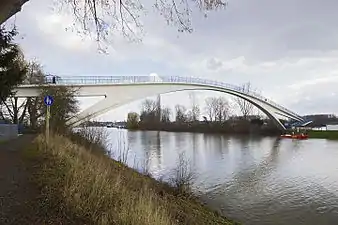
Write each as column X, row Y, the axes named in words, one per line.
column 316, row 104
column 214, row 64
column 268, row 30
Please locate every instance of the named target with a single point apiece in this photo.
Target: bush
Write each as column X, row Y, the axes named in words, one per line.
column 182, row 177
column 92, row 138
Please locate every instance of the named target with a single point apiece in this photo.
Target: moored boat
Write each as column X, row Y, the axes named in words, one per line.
column 295, row 136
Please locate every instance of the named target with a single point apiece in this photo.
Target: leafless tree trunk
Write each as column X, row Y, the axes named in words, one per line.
column 149, row 109
column 15, row 111
column 165, row 115
column 33, row 112
column 195, row 109
column 217, row 109
column 158, row 108
column 210, row 105
column 149, row 106
column 245, row 106
column 181, row 116
column 222, row 109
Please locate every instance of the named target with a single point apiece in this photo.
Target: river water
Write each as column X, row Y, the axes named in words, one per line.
column 254, row 180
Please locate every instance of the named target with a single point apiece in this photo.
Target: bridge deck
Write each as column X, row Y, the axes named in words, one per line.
column 97, row 80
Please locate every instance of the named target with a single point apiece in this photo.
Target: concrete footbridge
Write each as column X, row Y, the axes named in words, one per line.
column 120, row 90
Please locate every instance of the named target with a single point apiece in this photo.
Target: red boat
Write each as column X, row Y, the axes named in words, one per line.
column 295, row 136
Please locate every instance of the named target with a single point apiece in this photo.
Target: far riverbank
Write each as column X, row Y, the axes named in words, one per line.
column 324, row 134
column 241, row 128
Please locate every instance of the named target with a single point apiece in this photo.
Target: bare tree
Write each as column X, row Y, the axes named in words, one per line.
column 35, row 74
column 65, row 106
column 158, row 108
column 210, row 105
column 149, row 109
column 106, row 17
column 245, row 107
column 149, row 106
column 217, row 108
column 16, row 112
column 29, row 107
column 182, row 177
column 165, row 115
column 222, row 109
column 195, row 109
column 181, row 116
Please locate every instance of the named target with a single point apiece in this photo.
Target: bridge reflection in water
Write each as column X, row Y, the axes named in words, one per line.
column 259, row 181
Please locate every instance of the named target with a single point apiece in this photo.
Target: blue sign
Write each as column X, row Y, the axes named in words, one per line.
column 48, row 100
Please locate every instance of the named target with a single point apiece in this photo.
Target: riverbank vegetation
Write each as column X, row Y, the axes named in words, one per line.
column 324, row 134
column 12, row 64
column 92, row 188
column 219, row 118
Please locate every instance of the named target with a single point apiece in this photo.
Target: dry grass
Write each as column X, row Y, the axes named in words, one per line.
column 98, row 190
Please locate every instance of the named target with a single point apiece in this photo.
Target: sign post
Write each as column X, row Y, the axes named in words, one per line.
column 48, row 100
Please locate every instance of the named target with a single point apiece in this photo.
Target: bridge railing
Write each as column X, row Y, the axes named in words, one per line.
column 239, row 89
column 87, row 80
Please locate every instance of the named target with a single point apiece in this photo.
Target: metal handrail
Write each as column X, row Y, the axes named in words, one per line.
column 87, row 80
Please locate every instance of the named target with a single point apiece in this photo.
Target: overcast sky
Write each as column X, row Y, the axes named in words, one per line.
column 287, row 49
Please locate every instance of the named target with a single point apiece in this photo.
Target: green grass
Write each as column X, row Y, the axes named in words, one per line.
column 93, row 189
column 3, row 141
column 324, row 134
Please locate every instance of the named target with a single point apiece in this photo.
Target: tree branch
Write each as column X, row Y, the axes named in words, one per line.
column 8, row 8
column 105, row 17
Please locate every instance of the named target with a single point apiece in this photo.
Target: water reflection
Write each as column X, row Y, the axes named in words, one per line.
column 250, row 175
column 194, row 145
column 259, row 181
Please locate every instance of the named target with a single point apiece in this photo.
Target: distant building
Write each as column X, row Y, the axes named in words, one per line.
column 320, row 120
column 332, row 127
column 320, row 116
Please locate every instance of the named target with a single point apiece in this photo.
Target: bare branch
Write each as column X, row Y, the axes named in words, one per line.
column 105, row 17
column 9, row 109
column 108, row 17
column 181, row 115
column 245, row 107
column 218, row 109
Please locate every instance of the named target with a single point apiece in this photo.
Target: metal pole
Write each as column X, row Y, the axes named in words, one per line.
column 47, row 124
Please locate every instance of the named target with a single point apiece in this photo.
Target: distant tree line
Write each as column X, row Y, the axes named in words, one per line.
column 218, row 117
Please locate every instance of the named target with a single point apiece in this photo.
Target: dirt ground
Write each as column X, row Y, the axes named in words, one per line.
column 17, row 193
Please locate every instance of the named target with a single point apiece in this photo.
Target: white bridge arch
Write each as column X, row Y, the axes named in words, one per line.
column 120, row 90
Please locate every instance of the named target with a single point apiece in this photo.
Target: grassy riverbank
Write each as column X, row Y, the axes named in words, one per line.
column 90, row 188
column 324, row 134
